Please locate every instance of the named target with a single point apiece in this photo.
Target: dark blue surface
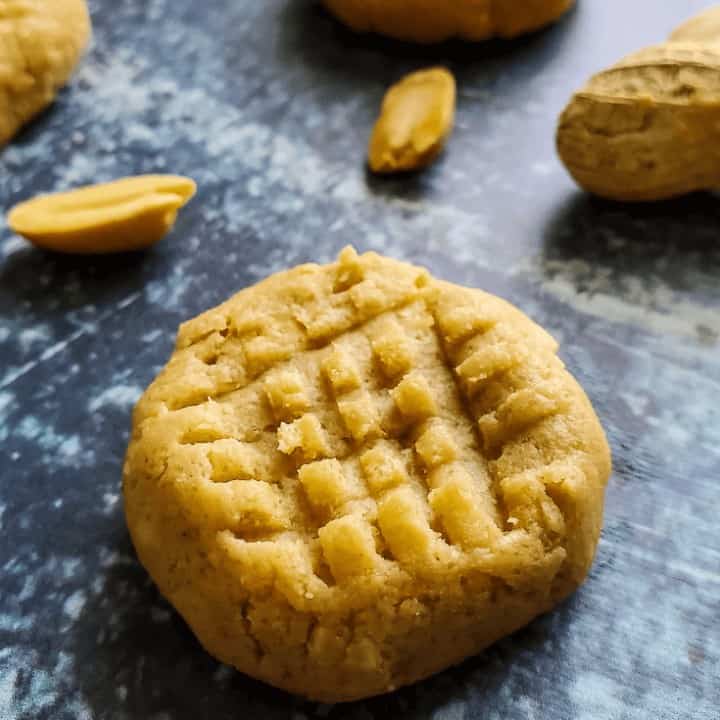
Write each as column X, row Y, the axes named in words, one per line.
column 268, row 106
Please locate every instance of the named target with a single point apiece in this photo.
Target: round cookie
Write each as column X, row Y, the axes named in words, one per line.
column 41, row 42
column 349, row 477
column 436, row 20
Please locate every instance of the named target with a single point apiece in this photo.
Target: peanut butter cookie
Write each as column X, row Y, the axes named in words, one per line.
column 41, row 42
column 349, row 477
column 436, row 20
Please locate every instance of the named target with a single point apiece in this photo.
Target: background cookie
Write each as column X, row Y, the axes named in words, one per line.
column 436, row 20
column 351, row 476
column 40, row 44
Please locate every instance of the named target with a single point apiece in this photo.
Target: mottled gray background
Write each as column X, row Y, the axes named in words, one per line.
column 268, row 105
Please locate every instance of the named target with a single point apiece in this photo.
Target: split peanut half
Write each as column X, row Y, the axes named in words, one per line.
column 128, row 214
column 415, row 120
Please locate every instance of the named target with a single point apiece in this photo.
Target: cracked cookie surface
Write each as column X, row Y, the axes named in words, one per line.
column 351, row 476
column 41, row 42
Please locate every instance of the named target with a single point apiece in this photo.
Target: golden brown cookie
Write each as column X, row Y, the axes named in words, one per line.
column 41, row 42
column 436, row 20
column 351, row 476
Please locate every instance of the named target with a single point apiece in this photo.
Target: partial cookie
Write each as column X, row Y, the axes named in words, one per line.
column 41, row 42
column 349, row 477
column 436, row 20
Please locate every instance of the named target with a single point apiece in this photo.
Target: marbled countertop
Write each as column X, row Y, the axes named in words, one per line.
column 268, row 106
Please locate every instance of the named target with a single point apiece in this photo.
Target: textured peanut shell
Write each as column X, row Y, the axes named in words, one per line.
column 41, row 42
column 428, row 21
column 415, row 120
column 703, row 28
column 647, row 128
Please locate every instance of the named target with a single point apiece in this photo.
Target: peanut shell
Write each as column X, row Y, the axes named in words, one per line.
column 648, row 128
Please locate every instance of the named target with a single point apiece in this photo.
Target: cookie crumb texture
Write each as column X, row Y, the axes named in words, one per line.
column 349, row 477
column 428, row 21
column 41, row 42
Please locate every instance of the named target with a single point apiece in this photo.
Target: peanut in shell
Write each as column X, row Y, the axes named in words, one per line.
column 648, row 128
